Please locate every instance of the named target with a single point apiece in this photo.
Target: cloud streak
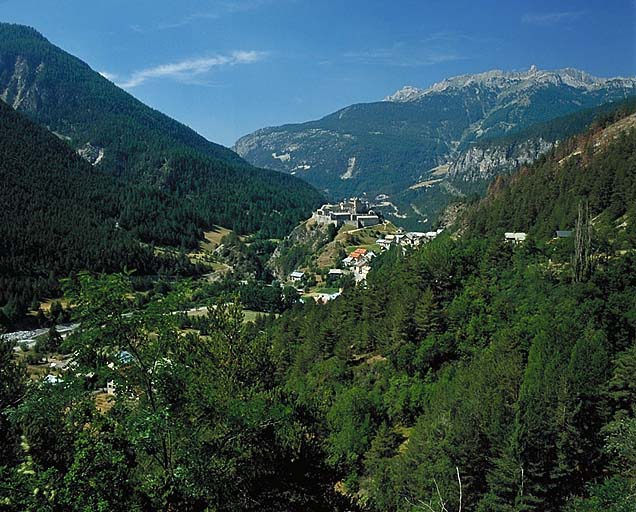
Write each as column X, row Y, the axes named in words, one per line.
column 550, row 18
column 190, row 69
column 189, row 19
column 221, row 8
column 434, row 49
column 394, row 57
column 108, row 76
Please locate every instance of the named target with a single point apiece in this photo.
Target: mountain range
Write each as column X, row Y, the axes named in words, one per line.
column 404, row 146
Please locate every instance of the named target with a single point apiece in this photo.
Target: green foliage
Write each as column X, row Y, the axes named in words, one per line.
column 12, row 388
column 197, row 422
column 484, row 360
column 467, row 369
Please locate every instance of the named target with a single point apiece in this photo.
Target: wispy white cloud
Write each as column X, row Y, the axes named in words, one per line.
column 188, row 70
column 108, row 76
column 421, row 53
column 432, row 49
column 189, row 19
column 218, row 10
column 243, row 5
column 550, row 18
column 389, row 56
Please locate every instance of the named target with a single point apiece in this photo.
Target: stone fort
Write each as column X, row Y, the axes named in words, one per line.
column 355, row 212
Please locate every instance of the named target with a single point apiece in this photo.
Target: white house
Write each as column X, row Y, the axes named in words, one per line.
column 52, row 379
column 515, row 238
column 296, row 276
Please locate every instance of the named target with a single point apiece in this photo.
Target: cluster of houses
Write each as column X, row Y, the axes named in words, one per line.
column 410, row 239
column 354, row 212
column 359, row 263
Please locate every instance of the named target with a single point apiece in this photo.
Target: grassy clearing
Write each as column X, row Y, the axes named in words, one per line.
column 45, row 306
column 213, row 238
column 328, row 290
column 251, row 316
column 349, row 239
column 104, row 402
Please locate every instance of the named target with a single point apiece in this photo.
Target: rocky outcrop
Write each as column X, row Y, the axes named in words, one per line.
column 21, row 90
column 482, row 163
column 514, row 82
column 90, row 153
column 297, row 248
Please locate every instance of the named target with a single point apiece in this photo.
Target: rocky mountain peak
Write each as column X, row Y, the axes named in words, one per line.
column 406, row 93
column 501, row 82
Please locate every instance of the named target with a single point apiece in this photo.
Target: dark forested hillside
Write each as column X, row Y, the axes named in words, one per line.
column 66, row 95
column 123, row 137
column 472, row 358
column 59, row 214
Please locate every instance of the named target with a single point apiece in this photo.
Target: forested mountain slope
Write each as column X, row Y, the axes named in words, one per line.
column 469, row 373
column 59, row 214
column 66, row 95
column 123, row 137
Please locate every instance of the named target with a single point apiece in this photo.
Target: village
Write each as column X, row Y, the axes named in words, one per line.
column 354, row 216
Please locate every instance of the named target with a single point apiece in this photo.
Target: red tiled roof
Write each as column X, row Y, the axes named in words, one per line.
column 360, row 251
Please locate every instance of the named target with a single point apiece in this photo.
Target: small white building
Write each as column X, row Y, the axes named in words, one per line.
column 296, row 276
column 515, row 238
column 52, row 379
column 326, row 297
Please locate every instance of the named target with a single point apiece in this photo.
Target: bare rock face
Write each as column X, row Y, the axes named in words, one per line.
column 512, row 83
column 483, row 163
column 21, row 90
column 90, row 153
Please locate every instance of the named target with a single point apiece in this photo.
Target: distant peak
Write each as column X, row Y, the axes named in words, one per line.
column 406, row 93
column 499, row 81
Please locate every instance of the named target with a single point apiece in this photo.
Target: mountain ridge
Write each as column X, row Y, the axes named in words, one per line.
column 569, row 76
column 386, row 148
column 125, row 138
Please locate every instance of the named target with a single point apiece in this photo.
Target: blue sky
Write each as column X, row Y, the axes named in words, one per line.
column 228, row 67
